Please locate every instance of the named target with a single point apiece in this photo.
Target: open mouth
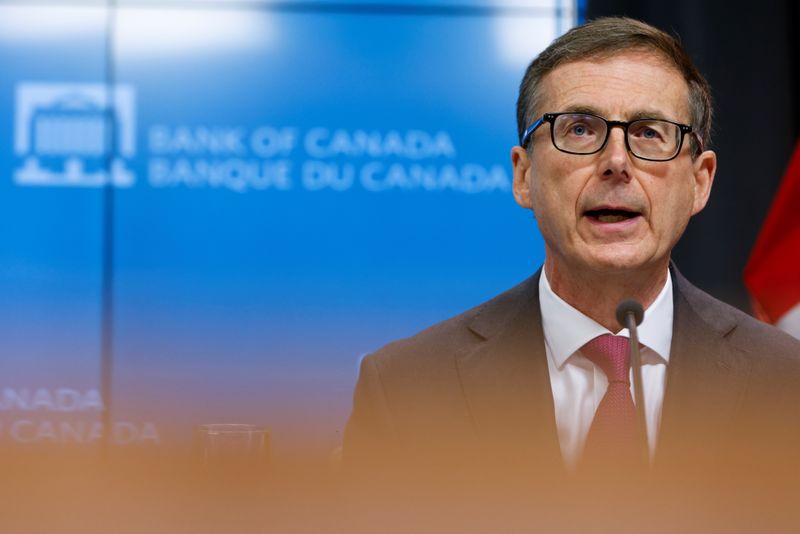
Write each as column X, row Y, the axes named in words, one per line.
column 611, row 215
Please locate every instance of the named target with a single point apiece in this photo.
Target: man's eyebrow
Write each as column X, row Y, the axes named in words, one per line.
column 649, row 114
column 589, row 110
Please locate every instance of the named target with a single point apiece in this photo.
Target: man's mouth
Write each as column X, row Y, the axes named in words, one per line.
column 611, row 215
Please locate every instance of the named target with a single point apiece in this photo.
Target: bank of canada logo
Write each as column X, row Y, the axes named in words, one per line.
column 75, row 135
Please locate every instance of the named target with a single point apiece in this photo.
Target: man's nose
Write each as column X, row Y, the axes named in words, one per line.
column 615, row 158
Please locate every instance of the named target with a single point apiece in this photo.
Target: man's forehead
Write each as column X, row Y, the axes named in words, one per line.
column 642, row 83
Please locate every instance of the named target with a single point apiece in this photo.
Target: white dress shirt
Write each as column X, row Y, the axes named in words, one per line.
column 578, row 385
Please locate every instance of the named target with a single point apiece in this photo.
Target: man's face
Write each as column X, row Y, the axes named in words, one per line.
column 569, row 193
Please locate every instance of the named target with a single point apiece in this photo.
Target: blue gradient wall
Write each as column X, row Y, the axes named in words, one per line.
column 246, row 198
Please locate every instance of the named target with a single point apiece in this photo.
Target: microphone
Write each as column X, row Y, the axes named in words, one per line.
column 629, row 315
column 627, row 307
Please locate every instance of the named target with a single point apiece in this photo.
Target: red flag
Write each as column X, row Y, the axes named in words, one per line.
column 773, row 273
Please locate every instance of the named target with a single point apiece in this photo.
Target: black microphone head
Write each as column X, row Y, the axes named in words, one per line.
column 630, row 306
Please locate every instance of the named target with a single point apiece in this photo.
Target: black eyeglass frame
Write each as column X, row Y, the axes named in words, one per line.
column 551, row 118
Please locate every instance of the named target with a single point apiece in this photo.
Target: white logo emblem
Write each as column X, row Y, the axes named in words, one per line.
column 76, row 135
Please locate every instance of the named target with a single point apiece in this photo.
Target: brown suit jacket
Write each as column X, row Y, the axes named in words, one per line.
column 473, row 393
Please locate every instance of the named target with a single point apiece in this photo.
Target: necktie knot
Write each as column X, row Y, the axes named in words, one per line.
column 612, row 355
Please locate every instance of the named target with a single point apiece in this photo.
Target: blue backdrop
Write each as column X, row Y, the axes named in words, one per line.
column 246, row 198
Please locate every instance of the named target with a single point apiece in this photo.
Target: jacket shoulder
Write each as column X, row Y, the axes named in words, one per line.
column 769, row 343
column 438, row 344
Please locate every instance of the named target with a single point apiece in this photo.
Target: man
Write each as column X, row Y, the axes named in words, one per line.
column 614, row 123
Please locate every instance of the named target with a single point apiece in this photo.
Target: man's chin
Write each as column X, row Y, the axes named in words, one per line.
column 611, row 261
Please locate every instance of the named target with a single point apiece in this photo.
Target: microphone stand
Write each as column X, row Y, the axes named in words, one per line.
column 630, row 314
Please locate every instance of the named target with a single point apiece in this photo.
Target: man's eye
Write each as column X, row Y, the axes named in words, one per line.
column 578, row 129
column 649, row 133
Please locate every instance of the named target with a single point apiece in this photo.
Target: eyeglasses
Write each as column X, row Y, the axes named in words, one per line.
column 583, row 133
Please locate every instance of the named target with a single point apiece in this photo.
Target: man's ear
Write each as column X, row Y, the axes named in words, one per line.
column 705, row 166
column 521, row 163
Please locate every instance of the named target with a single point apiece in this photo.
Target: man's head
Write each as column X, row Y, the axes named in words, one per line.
column 611, row 211
column 605, row 37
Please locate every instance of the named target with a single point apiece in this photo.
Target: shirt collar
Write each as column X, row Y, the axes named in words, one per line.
column 566, row 329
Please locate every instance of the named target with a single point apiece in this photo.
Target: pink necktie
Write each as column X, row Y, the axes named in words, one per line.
column 613, row 440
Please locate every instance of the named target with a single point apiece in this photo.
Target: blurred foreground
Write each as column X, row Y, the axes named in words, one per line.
column 47, row 491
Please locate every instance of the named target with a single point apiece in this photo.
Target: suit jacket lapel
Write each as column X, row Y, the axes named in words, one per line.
column 506, row 381
column 706, row 379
